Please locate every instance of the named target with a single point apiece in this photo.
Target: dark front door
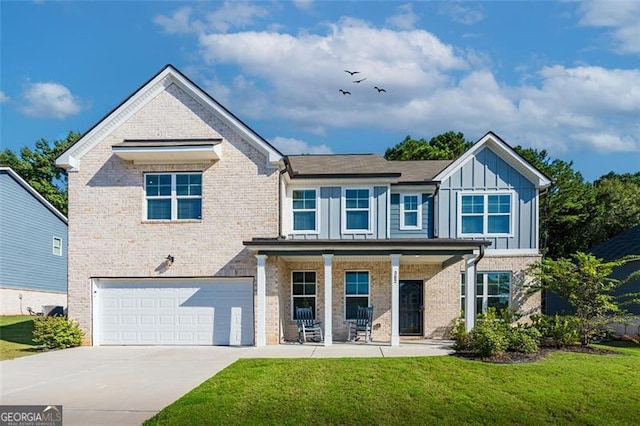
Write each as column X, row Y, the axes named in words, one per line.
column 411, row 307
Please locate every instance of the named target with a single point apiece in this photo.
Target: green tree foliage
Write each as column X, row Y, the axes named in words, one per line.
column 38, row 168
column 446, row 146
column 617, row 205
column 585, row 282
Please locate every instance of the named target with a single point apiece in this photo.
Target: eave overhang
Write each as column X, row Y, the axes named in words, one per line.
column 169, row 151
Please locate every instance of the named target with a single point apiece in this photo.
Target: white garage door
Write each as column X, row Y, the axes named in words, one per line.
column 174, row 312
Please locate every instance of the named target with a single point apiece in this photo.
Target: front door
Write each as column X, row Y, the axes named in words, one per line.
column 411, row 307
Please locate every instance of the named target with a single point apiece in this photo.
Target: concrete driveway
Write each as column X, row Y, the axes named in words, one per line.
column 119, row 385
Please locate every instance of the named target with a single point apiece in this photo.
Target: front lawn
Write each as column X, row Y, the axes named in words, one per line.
column 16, row 332
column 565, row 388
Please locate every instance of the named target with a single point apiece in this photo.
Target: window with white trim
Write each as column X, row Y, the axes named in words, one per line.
column 173, row 196
column 493, row 290
column 57, row 246
column 357, row 210
column 303, row 291
column 410, row 211
column 485, row 214
column 356, row 292
column 305, row 209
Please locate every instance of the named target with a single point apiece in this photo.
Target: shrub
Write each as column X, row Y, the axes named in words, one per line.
column 490, row 335
column 524, row 339
column 56, row 333
column 558, row 331
column 462, row 339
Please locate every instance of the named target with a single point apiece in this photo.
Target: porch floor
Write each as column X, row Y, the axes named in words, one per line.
column 407, row 348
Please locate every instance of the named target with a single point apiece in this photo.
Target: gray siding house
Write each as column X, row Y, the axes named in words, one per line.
column 33, row 248
column 188, row 228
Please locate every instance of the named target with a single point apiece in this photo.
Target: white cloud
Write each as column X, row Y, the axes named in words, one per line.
column 296, row 146
column 178, row 23
column 50, row 100
column 229, row 15
column 303, row 4
column 467, row 14
column 622, row 17
column 3, row 98
column 406, row 19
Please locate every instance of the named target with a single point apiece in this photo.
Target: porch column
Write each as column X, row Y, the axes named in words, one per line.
column 261, row 338
column 470, row 292
column 328, row 301
column 395, row 299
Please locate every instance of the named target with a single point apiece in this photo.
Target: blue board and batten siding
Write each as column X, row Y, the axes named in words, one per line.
column 486, row 171
column 427, row 219
column 27, row 229
column 330, row 215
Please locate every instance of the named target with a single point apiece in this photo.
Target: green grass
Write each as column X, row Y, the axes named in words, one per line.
column 565, row 388
column 15, row 336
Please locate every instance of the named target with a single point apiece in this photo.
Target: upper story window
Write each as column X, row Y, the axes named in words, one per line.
column 173, row 196
column 57, row 246
column 356, row 211
column 410, row 211
column 303, row 291
column 305, row 210
column 485, row 214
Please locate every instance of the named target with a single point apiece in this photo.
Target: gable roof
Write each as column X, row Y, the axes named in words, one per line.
column 496, row 144
column 623, row 244
column 16, row 177
column 70, row 159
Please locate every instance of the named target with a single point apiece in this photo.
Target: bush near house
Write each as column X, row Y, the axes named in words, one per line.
column 56, row 333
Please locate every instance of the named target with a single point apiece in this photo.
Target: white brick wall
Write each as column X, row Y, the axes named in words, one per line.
column 108, row 236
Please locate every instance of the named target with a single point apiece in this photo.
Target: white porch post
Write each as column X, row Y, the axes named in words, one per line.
column 470, row 292
column 395, row 299
column 261, row 338
column 328, row 301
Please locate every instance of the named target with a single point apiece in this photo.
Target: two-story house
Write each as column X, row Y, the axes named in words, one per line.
column 187, row 227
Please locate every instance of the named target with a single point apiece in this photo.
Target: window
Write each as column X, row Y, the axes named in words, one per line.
column 356, row 292
column 303, row 291
column 493, row 290
column 410, row 211
column 173, row 196
column 57, row 246
column 485, row 214
column 304, row 210
column 357, row 210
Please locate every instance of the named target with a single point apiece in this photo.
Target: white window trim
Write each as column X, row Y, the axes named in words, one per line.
column 315, row 296
column 418, row 226
column 54, row 246
column 485, row 214
column 343, row 211
column 173, row 197
column 344, row 291
column 317, row 211
column 485, row 288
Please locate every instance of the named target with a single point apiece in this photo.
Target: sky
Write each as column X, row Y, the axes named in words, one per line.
column 563, row 76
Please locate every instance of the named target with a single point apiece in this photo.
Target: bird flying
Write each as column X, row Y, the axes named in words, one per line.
column 352, row 72
column 344, row 92
column 360, row 81
column 379, row 89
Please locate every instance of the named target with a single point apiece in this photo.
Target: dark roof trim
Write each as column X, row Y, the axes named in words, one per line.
column 344, row 175
column 140, row 143
column 453, row 252
column 374, row 243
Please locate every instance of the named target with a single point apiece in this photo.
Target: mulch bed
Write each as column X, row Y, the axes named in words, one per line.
column 522, row 358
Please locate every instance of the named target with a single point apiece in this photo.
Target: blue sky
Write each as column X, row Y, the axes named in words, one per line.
column 562, row 76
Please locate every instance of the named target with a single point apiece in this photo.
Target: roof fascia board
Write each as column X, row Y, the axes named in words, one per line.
column 354, row 181
column 33, row 192
column 493, row 141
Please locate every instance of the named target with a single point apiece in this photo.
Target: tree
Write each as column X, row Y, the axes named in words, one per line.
column 38, row 168
column 586, row 283
column 617, row 205
column 446, row 146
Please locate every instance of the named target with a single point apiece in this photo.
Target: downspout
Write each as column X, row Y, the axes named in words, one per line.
column 280, row 173
column 480, row 256
column 435, row 210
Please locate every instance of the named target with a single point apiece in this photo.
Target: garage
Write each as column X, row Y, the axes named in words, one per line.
column 216, row 311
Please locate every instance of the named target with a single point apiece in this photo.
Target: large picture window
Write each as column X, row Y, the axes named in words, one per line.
column 173, row 196
column 410, row 211
column 303, row 291
column 305, row 210
column 485, row 214
column 493, row 290
column 356, row 292
column 357, row 210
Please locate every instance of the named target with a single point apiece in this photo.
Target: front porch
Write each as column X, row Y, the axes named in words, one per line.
column 413, row 285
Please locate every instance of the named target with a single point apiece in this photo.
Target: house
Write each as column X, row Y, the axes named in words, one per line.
column 187, row 227
column 33, row 248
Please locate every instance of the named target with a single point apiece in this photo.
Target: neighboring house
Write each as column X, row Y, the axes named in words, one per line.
column 33, row 248
column 187, row 227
